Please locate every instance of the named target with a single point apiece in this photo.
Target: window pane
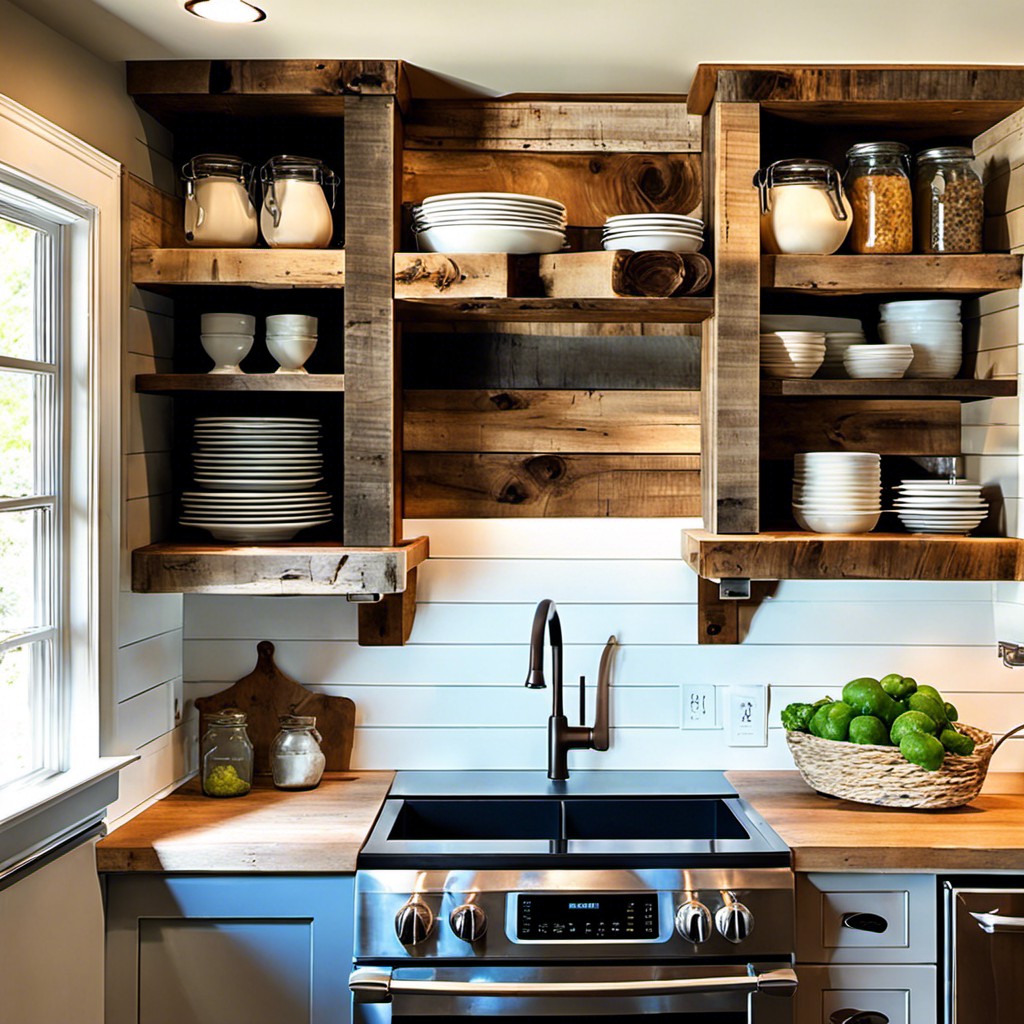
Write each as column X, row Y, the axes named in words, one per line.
column 24, row 570
column 23, row 695
column 17, row 290
column 26, row 425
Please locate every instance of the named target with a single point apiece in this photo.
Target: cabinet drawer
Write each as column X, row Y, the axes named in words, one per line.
column 905, row 994
column 858, row 918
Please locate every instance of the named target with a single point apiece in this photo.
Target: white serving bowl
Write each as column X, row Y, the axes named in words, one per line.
column 290, row 353
column 227, row 323
column 654, row 243
column 920, row 309
column 675, row 219
column 880, row 361
column 837, row 522
column 471, row 238
column 921, row 333
column 291, row 323
column 226, row 351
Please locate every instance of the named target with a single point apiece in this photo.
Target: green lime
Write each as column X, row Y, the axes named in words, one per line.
column 868, row 729
column 922, row 749
column 911, row 721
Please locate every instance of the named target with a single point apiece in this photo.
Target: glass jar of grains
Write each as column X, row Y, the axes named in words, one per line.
column 225, row 754
column 949, row 201
column 878, row 184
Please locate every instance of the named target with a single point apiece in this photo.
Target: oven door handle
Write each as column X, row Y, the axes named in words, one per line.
column 376, row 985
column 994, row 922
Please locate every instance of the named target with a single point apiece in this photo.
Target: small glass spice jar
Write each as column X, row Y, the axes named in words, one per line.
column 878, row 184
column 225, row 754
column 949, row 199
column 296, row 760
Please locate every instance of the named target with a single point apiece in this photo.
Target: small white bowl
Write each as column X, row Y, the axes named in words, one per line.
column 227, row 323
column 470, row 238
column 291, row 323
column 226, row 351
column 655, row 242
column 291, row 353
column 837, row 522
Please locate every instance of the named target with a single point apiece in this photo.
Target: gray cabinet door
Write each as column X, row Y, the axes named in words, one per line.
column 228, row 949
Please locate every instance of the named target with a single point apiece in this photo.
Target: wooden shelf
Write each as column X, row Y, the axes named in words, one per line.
column 595, row 311
column 967, row 390
column 253, row 268
column 274, row 569
column 855, row 275
column 864, row 556
column 181, row 383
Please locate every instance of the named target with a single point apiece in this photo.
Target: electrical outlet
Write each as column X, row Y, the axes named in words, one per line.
column 748, row 716
column 699, row 707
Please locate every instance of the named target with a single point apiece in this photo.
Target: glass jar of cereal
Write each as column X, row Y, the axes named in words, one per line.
column 949, row 201
column 878, row 184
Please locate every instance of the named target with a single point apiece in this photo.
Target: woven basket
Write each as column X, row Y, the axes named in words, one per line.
column 883, row 776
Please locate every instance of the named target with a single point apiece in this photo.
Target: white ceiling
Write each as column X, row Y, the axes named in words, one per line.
column 559, row 45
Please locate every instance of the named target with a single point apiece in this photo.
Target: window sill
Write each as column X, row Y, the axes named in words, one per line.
column 35, row 816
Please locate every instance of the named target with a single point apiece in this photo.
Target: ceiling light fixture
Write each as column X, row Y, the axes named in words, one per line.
column 234, row 12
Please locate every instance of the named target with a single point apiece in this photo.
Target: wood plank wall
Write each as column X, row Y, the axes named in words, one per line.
column 993, row 333
column 523, row 420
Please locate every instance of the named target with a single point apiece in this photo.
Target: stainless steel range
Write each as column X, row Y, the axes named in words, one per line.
column 511, row 896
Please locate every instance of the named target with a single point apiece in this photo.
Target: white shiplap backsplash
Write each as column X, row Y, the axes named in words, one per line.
column 454, row 697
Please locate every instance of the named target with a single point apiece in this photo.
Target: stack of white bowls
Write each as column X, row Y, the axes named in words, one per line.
column 932, row 328
column 837, row 492
column 836, row 344
column 878, row 362
column 940, row 506
column 256, row 476
column 792, row 353
column 489, row 222
column 660, row 232
column 291, row 338
column 227, row 339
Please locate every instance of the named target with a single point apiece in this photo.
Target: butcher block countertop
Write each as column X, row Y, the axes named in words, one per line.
column 267, row 830
column 836, row 835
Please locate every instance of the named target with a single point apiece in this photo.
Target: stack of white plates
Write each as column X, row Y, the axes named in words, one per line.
column 489, row 222
column 932, row 328
column 662, row 232
column 940, row 506
column 878, row 362
column 836, row 344
column 792, row 353
column 256, row 476
column 837, row 492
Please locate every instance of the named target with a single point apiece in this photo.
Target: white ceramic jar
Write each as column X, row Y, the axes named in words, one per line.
column 219, row 212
column 296, row 212
column 803, row 207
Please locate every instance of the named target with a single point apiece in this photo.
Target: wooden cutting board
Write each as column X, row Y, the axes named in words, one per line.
column 266, row 693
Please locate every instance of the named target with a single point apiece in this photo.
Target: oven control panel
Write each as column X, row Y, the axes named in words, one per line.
column 583, row 917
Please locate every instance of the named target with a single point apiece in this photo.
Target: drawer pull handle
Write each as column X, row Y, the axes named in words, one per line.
column 858, row 1017
column 865, row 923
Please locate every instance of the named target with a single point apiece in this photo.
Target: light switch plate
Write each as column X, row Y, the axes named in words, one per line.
column 699, row 707
column 747, row 723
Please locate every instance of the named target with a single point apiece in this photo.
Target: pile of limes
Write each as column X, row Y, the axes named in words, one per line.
column 893, row 711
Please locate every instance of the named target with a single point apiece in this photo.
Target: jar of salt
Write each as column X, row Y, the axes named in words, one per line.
column 296, row 759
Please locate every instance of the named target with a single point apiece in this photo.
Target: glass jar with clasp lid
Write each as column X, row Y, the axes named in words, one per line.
column 803, row 208
column 949, row 199
column 878, row 184
column 296, row 759
column 296, row 212
column 225, row 754
column 219, row 210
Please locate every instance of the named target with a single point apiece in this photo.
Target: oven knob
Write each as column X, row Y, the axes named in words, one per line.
column 734, row 921
column 413, row 923
column 468, row 922
column 693, row 921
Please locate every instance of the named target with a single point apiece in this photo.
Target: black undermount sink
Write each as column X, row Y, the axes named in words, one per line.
column 565, row 819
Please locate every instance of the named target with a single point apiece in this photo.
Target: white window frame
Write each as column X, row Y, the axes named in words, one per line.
column 65, row 174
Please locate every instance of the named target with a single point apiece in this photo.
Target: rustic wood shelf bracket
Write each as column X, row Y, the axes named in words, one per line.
column 725, row 608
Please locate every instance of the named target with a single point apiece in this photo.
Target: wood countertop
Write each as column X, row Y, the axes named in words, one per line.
column 268, row 830
column 826, row 834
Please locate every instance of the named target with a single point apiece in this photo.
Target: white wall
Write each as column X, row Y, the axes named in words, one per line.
column 454, row 697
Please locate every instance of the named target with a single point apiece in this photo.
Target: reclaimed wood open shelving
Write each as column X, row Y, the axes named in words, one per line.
column 756, row 114
column 199, row 383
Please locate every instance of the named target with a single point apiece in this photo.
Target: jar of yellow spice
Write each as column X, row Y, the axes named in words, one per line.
column 225, row 754
column 878, row 184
